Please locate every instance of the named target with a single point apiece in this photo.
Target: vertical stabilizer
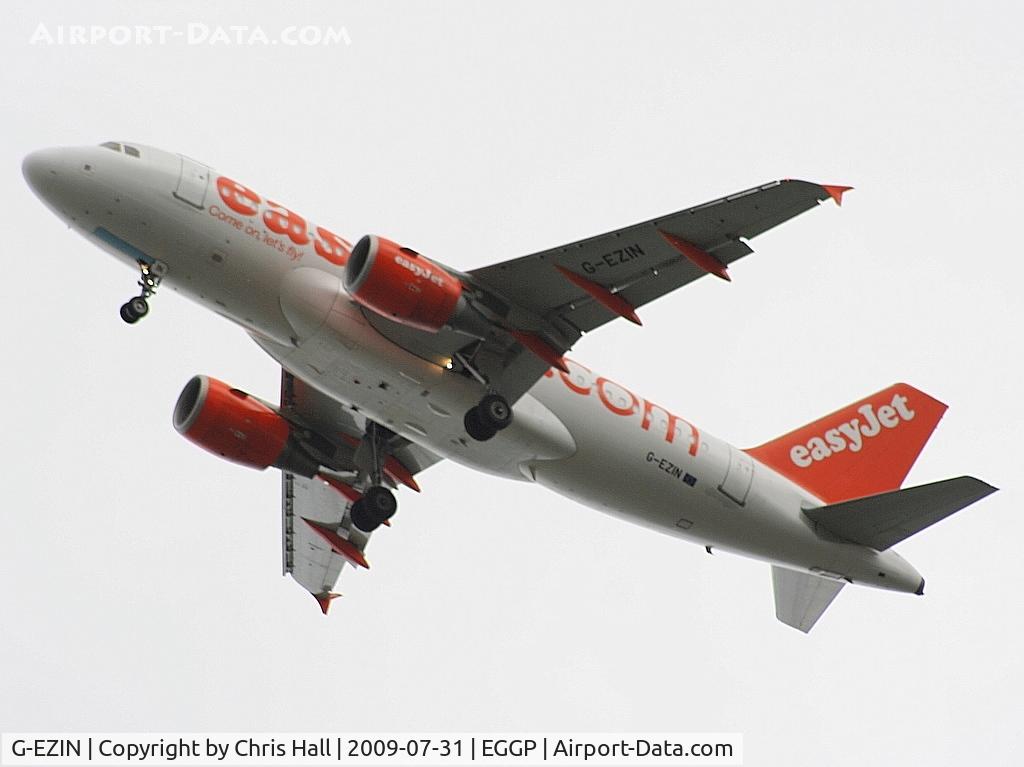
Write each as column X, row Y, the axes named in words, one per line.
column 862, row 449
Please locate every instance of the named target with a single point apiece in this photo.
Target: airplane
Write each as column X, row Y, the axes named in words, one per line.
column 392, row 361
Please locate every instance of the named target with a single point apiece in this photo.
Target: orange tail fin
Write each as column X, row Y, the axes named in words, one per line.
column 862, row 449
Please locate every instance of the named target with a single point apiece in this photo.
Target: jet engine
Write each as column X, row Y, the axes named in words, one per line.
column 400, row 284
column 230, row 423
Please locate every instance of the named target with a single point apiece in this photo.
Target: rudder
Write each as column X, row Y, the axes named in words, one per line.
column 865, row 448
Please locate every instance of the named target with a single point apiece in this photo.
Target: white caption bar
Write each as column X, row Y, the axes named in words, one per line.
column 372, row 749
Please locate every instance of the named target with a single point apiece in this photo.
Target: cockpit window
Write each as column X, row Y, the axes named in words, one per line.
column 128, row 150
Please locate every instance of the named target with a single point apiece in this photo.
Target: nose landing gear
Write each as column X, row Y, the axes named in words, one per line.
column 138, row 307
column 134, row 310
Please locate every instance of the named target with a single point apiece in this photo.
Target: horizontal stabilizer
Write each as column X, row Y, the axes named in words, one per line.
column 883, row 520
column 801, row 598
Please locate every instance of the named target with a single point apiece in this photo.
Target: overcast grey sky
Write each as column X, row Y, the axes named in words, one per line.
column 141, row 576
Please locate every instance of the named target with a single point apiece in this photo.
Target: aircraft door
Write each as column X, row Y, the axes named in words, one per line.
column 193, row 182
column 738, row 477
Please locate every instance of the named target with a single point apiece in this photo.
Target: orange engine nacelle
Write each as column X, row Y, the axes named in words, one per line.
column 229, row 423
column 402, row 285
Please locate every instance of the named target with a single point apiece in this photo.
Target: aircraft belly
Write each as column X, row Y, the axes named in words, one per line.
column 638, row 475
column 342, row 355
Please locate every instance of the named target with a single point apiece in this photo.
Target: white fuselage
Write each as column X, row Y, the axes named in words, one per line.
column 581, row 435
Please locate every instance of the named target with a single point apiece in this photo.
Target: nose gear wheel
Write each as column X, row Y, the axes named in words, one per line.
column 138, row 307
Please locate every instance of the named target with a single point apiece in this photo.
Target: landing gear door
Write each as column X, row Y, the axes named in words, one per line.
column 738, row 477
column 192, row 182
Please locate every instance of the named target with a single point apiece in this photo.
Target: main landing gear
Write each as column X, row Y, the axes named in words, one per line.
column 137, row 308
column 378, row 503
column 491, row 414
column 488, row 417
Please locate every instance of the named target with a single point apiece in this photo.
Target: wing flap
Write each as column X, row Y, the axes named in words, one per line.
column 308, row 557
column 801, row 598
column 883, row 520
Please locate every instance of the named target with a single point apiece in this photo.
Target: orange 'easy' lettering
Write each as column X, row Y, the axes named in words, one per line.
column 331, row 247
column 283, row 221
column 238, row 197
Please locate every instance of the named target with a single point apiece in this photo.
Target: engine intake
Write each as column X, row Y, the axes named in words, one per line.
column 230, row 423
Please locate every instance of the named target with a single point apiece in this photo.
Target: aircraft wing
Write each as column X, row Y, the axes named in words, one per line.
column 310, row 508
column 545, row 301
column 317, row 535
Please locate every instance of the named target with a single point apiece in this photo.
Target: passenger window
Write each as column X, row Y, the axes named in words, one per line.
column 112, row 145
column 131, row 151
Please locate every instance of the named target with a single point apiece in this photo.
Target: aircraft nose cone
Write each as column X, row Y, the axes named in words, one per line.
column 42, row 171
column 33, row 168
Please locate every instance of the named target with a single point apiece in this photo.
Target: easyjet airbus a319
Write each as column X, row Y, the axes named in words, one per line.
column 392, row 361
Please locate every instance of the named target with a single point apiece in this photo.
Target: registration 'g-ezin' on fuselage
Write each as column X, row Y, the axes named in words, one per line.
column 392, row 361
